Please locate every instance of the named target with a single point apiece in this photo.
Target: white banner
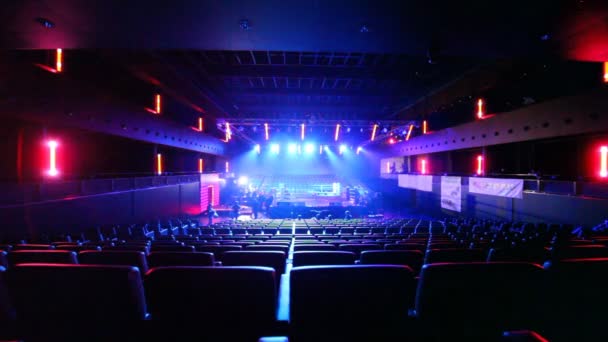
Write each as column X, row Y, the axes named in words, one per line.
column 422, row 183
column 451, row 193
column 512, row 188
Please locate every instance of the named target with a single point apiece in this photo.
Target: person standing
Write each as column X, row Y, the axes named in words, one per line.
column 211, row 213
column 235, row 210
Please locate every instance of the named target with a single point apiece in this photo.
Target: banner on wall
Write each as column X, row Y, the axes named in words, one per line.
column 512, row 188
column 417, row 182
column 451, row 193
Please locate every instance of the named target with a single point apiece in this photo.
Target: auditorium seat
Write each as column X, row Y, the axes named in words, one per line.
column 274, row 259
column 413, row 259
column 454, row 255
column 242, row 300
column 268, row 247
column 579, row 252
column 476, row 300
column 31, row 246
column 129, row 247
column 405, row 247
column 77, row 248
column 169, row 248
column 577, row 299
column 118, row 258
column 6, row 309
column 357, row 248
column 312, row 258
column 534, row 255
column 315, row 247
column 522, row 336
column 157, row 259
column 217, row 250
column 46, row 293
column 356, row 301
column 3, row 258
column 41, row 256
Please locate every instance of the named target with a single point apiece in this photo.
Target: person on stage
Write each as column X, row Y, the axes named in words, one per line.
column 211, row 213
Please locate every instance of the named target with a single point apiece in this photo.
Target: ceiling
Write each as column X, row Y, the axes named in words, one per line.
column 241, row 60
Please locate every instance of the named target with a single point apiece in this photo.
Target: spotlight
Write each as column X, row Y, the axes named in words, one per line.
column 275, row 148
column 342, row 149
column 257, row 148
column 309, row 148
column 292, row 148
column 326, row 148
column 359, row 149
column 243, row 180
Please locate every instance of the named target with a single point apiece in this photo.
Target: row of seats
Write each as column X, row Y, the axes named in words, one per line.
column 453, row 300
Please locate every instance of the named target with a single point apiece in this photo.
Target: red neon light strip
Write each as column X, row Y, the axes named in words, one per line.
column 337, row 135
column 200, row 165
column 604, row 161
column 266, row 130
column 480, row 110
column 409, row 132
column 424, row 127
column 374, row 132
column 157, row 101
column 479, row 165
column 52, row 158
column 59, row 60
column 159, row 164
column 200, row 124
column 423, row 164
column 605, row 72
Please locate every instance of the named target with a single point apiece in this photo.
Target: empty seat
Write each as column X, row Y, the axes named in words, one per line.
column 68, row 293
column 156, row 259
column 577, row 299
column 121, row 258
column 131, row 247
column 454, row 255
column 214, row 296
column 268, row 247
column 315, row 247
column 3, row 259
column 77, row 248
column 173, row 248
column 479, row 299
column 534, row 255
column 217, row 250
column 357, row 248
column 6, row 310
column 41, row 256
column 274, row 259
column 372, row 299
column 412, row 259
column 311, row 258
column 579, row 252
column 31, row 246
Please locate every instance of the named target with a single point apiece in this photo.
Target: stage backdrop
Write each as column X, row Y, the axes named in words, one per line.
column 418, row 182
column 451, row 193
column 512, row 188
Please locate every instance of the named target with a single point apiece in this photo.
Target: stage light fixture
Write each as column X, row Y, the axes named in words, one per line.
column 480, row 108
column 257, row 148
column 292, row 148
column 309, row 148
column 359, row 149
column 243, row 180
column 479, row 170
column 343, row 149
column 59, row 60
column 275, row 148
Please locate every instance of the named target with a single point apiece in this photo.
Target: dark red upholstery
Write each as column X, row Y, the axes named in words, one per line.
column 479, row 298
column 68, row 293
column 118, row 258
column 50, row 256
column 311, row 258
column 373, row 300
column 156, row 259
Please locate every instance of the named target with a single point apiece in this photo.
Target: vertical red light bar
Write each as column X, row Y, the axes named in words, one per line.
column 605, row 72
column 423, row 166
column 374, row 132
column 337, row 135
column 227, row 167
column 52, row 171
column 266, row 130
column 479, row 170
column 157, row 104
column 604, row 161
column 159, row 164
column 303, row 129
column 409, row 132
column 200, row 165
column 480, row 109
column 424, row 127
column 200, row 124
column 59, row 60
